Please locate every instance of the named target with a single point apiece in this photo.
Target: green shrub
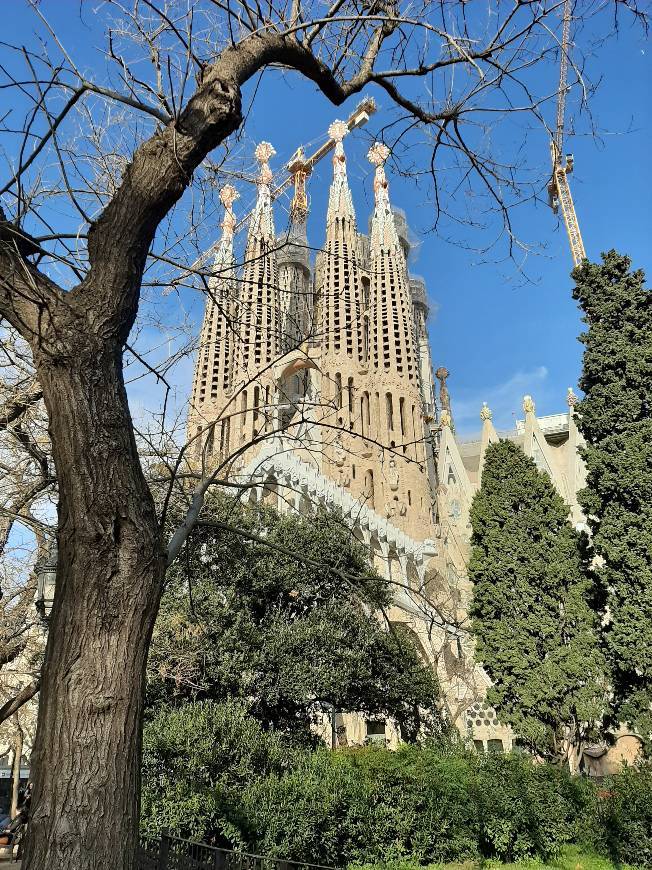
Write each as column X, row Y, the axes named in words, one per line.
column 527, row 810
column 316, row 812
column 418, row 803
column 211, row 773
column 196, row 761
column 624, row 818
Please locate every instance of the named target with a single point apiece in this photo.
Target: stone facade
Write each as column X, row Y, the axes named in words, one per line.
column 314, row 385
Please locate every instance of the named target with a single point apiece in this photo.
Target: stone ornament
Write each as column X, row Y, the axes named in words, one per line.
column 228, row 195
column 392, row 475
column 337, row 131
column 571, row 398
column 263, row 153
column 378, row 154
column 442, row 374
column 445, row 419
column 528, row 405
column 485, row 412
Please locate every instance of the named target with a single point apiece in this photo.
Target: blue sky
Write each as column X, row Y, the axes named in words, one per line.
column 499, row 333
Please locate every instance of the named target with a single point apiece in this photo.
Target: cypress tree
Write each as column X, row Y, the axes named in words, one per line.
column 533, row 608
column 614, row 418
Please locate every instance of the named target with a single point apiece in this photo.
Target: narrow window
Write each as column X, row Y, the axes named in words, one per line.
column 338, row 390
column 389, row 408
column 369, row 488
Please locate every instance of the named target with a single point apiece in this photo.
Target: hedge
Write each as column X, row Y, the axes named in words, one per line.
column 213, row 774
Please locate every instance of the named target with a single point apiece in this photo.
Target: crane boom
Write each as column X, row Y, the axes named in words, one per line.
column 568, row 211
column 563, row 82
column 559, row 191
column 299, row 167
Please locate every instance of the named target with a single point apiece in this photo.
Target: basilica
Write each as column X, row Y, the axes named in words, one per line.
column 314, row 385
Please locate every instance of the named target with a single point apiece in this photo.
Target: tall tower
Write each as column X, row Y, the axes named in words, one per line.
column 208, row 417
column 295, row 285
column 259, row 338
column 343, row 299
column 394, row 361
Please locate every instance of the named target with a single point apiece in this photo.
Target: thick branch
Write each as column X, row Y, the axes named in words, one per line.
column 14, row 704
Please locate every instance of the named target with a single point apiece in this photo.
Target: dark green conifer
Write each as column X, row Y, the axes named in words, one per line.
column 533, row 609
column 614, row 418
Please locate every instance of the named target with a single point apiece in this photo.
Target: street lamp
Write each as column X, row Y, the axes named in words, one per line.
column 46, row 573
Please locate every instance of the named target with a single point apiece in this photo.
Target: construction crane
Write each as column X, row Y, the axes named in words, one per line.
column 559, row 192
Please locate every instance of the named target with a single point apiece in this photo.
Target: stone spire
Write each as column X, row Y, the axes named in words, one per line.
column 224, row 254
column 488, row 436
column 262, row 220
column 259, row 322
column 342, row 293
column 384, row 236
column 214, row 367
column 392, row 318
column 393, row 356
column 295, row 285
column 340, row 201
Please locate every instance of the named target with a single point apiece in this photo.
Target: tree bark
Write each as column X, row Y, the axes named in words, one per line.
column 86, row 758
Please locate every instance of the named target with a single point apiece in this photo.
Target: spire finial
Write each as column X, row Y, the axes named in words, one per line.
column 571, row 398
column 263, row 153
column 384, row 236
column 262, row 219
column 485, row 412
column 442, row 374
column 340, row 202
column 337, row 131
column 378, row 154
column 528, row 405
column 228, row 195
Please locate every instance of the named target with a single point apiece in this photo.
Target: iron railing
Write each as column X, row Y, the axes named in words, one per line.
column 175, row 853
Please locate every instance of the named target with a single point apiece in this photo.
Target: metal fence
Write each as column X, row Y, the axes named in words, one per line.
column 175, row 853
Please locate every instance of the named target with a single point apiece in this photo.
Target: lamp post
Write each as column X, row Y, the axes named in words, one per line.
column 46, row 573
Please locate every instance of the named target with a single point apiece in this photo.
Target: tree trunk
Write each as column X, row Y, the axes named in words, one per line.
column 15, row 768
column 86, row 759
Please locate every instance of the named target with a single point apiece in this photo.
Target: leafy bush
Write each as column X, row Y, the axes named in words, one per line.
column 527, row 810
column 418, row 803
column 212, row 773
column 624, row 829
column 195, row 759
column 317, row 812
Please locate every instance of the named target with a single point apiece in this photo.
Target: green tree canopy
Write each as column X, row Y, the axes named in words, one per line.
column 533, row 607
column 615, row 420
column 283, row 614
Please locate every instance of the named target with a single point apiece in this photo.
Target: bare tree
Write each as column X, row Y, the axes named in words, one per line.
column 26, row 522
column 99, row 174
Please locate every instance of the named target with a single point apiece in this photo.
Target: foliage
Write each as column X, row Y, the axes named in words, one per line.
column 226, row 780
column 569, row 858
column 193, row 757
column 533, row 606
column 625, row 817
column 615, row 419
column 284, row 618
